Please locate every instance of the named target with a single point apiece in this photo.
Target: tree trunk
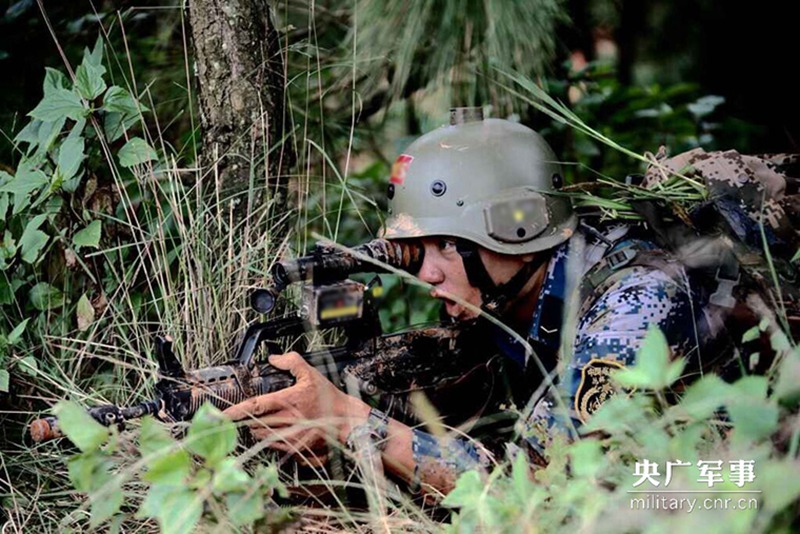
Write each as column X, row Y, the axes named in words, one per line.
column 241, row 93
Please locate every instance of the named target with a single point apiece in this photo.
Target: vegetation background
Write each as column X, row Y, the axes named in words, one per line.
column 131, row 208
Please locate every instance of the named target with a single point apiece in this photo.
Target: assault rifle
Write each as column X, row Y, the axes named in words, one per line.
column 384, row 367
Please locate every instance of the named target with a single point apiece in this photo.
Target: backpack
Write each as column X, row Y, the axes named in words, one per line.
column 730, row 219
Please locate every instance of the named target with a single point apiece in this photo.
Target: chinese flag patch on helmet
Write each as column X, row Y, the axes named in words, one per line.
column 399, row 169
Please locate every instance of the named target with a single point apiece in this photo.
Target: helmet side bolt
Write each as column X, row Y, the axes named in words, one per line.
column 460, row 203
column 521, row 232
column 558, row 181
column 438, row 188
column 390, row 191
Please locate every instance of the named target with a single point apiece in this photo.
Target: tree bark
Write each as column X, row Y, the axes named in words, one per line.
column 241, row 94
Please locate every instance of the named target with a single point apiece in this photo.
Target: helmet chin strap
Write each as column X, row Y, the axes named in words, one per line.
column 495, row 297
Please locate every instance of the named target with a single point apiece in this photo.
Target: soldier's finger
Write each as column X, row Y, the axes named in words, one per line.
column 292, row 362
column 256, row 406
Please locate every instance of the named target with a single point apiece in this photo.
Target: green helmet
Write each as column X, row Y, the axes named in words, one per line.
column 486, row 181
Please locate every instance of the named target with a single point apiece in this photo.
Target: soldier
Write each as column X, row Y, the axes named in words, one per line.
column 482, row 198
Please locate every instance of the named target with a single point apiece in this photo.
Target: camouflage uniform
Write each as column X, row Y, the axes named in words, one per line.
column 613, row 318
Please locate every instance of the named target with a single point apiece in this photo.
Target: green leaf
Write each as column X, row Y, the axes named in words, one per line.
column 167, row 463
column 135, row 152
column 705, row 396
column 4, row 381
column 89, row 236
column 80, row 427
column 33, row 240
column 43, row 296
column 88, row 471
column 54, row 80
column 787, row 387
column 60, row 103
column 245, row 508
column 467, row 492
column 89, row 80
column 118, row 99
column 107, row 503
column 229, row 476
column 94, row 56
column 177, row 509
column 3, row 205
column 25, row 181
column 211, row 435
column 751, row 334
column 780, row 482
column 48, row 133
column 653, row 369
column 84, row 313
column 70, row 156
column 29, row 134
column 753, row 419
column 15, row 334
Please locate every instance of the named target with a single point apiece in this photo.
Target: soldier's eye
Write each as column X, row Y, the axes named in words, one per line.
column 446, row 245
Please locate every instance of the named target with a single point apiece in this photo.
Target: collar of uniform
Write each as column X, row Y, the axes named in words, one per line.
column 548, row 315
column 545, row 329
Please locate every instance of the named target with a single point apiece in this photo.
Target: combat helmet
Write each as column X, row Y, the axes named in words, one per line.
column 488, row 181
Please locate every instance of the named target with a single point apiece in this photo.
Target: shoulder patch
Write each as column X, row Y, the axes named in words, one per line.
column 595, row 387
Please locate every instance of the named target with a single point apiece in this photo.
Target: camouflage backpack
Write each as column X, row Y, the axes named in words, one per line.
column 742, row 234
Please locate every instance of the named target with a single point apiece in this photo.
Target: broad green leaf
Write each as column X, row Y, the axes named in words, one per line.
column 467, row 492
column 177, row 509
column 60, row 103
column 753, row 419
column 153, row 437
column 229, row 476
column 33, row 240
column 653, row 369
column 43, row 296
column 89, row 80
column 15, row 334
column 620, row 413
column 172, row 468
column 796, row 256
column 751, row 386
column 751, row 334
column 245, row 508
column 135, row 152
column 3, row 205
column 70, row 156
column 89, row 236
column 4, row 381
column 29, row 134
column 167, row 463
column 80, row 427
column 211, row 435
column 25, row 181
column 85, row 313
column 94, row 56
column 88, row 471
column 48, row 133
column 118, row 99
column 780, row 482
column 787, row 387
column 587, row 458
column 54, row 80
column 705, row 396
column 106, row 503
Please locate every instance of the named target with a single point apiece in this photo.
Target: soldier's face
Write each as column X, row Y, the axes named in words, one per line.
column 443, row 268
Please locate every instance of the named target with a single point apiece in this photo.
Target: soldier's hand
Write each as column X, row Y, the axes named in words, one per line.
column 300, row 419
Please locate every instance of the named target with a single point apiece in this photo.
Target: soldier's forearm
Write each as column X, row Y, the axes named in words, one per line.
column 417, row 457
